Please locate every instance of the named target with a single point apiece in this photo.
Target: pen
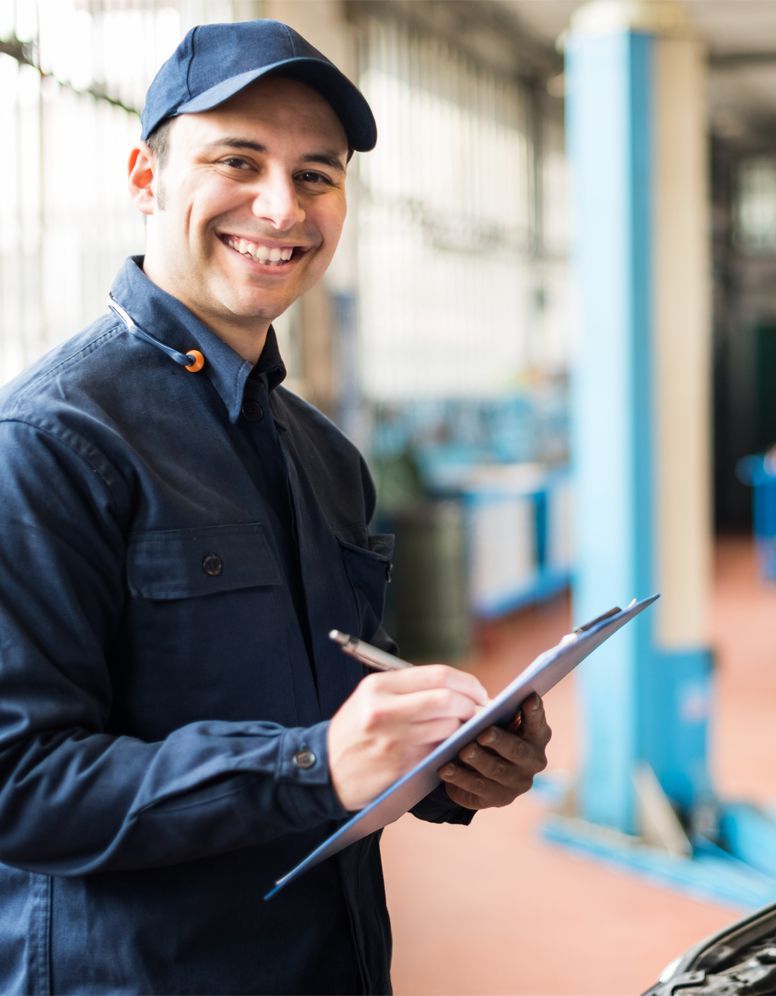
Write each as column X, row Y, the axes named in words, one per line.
column 366, row 653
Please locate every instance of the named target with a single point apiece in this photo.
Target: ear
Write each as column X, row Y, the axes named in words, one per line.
column 142, row 175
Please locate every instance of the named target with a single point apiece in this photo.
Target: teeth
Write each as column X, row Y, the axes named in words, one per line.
column 262, row 254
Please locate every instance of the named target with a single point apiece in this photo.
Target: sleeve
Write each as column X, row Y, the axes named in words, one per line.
column 74, row 797
column 438, row 807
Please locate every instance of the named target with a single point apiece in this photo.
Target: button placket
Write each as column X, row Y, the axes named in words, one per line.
column 252, row 410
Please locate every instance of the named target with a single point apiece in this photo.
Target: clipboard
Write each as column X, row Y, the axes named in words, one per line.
column 539, row 676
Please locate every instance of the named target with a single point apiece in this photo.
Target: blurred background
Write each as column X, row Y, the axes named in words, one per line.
column 551, row 327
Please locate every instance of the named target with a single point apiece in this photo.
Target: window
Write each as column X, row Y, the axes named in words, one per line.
column 73, row 75
column 451, row 280
column 755, row 209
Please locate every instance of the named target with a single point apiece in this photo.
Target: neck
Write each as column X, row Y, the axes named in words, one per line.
column 246, row 338
column 246, row 343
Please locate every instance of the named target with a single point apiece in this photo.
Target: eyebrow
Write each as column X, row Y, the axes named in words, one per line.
column 233, row 142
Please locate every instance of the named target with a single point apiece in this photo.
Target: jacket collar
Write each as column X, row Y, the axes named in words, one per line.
column 171, row 322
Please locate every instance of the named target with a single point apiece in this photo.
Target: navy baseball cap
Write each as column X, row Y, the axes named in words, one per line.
column 216, row 61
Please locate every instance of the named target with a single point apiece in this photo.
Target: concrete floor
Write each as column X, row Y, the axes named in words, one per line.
column 494, row 909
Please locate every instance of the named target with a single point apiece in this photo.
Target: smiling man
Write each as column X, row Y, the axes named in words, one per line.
column 179, row 534
column 253, row 203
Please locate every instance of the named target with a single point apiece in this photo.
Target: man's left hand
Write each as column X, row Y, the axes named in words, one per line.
column 499, row 766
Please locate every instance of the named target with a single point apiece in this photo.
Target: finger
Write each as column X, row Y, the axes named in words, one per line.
column 419, row 706
column 434, row 731
column 514, row 765
column 534, row 723
column 512, row 750
column 469, row 800
column 533, row 732
column 470, row 789
column 437, row 710
column 438, row 703
column 430, row 676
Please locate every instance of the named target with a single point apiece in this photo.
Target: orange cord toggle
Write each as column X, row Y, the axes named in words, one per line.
column 197, row 361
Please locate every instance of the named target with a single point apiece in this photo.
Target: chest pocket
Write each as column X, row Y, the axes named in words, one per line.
column 190, row 563
column 205, row 634
column 369, row 571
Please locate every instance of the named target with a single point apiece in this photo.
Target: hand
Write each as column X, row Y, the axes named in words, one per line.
column 499, row 766
column 391, row 721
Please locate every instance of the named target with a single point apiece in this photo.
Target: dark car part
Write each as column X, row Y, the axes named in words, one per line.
column 739, row 960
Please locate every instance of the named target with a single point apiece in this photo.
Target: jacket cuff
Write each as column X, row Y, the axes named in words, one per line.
column 303, row 775
column 437, row 807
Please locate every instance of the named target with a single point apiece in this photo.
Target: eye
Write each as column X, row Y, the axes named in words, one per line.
column 236, row 163
column 313, row 178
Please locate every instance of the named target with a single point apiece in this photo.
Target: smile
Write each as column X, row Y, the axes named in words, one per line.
column 272, row 256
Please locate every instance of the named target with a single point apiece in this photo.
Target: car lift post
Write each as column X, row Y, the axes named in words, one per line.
column 641, row 457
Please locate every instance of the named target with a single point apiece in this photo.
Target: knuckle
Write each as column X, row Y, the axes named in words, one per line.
column 377, row 682
column 446, row 697
column 374, row 717
column 501, row 771
column 469, row 754
column 448, row 700
column 522, row 786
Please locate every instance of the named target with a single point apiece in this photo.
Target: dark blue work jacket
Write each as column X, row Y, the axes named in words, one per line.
column 174, row 549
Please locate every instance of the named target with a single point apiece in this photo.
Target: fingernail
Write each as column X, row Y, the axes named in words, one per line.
column 488, row 737
column 447, row 772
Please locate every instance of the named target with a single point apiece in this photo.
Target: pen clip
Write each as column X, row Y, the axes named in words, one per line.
column 598, row 619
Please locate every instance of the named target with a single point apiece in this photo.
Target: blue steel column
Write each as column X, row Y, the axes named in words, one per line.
column 633, row 691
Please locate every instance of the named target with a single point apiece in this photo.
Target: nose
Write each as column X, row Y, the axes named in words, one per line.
column 277, row 201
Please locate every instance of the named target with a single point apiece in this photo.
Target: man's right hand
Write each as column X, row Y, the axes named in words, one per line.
column 391, row 721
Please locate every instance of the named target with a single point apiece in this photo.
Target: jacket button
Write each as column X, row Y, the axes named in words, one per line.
column 212, row 565
column 252, row 410
column 305, row 758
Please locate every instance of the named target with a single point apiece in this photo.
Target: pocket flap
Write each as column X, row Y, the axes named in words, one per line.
column 188, row 563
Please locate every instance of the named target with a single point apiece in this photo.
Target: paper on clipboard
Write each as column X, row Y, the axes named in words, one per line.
column 545, row 671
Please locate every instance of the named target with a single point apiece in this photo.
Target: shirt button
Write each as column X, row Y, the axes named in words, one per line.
column 252, row 410
column 212, row 565
column 304, row 758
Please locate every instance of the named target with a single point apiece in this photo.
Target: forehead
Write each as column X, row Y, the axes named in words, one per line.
column 279, row 107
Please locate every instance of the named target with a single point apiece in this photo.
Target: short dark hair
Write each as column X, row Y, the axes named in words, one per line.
column 159, row 140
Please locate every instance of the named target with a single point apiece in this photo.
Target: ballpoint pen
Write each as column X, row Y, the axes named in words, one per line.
column 381, row 661
column 366, row 653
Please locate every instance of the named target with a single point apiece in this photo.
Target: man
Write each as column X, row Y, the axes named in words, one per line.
column 179, row 536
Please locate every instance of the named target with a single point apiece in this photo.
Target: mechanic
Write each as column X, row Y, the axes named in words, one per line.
column 179, row 535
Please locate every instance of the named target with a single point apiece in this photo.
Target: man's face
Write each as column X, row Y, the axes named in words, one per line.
column 247, row 206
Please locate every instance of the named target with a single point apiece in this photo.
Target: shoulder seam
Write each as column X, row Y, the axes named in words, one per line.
column 44, row 376
column 85, row 452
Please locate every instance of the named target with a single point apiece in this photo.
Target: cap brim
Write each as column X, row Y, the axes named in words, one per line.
column 346, row 100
